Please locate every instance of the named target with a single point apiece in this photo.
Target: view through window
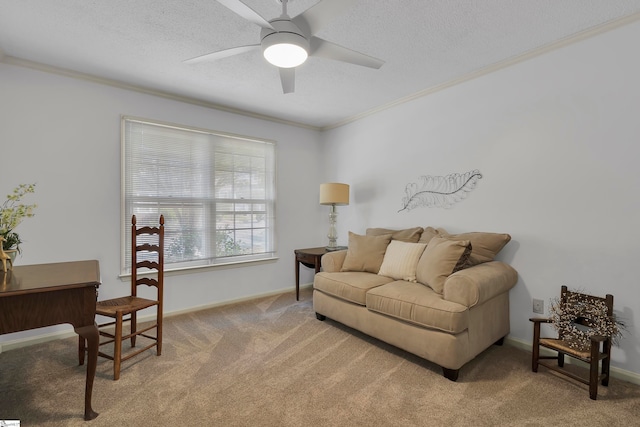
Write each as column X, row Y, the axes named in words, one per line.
column 216, row 192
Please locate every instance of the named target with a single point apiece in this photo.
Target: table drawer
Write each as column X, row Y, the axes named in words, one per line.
column 306, row 258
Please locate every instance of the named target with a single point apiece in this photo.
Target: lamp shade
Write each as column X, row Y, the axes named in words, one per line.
column 333, row 193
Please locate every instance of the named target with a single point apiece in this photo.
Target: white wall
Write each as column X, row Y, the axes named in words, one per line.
column 556, row 139
column 64, row 134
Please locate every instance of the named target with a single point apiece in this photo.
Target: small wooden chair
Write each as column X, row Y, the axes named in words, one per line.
column 599, row 351
column 118, row 308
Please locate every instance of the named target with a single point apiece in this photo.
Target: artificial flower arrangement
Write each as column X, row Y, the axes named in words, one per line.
column 578, row 305
column 12, row 213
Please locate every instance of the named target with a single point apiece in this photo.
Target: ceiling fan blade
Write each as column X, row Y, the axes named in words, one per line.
column 222, row 54
column 321, row 14
column 288, row 79
column 246, row 12
column 326, row 49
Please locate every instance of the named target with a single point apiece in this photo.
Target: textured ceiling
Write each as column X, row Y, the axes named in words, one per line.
column 425, row 43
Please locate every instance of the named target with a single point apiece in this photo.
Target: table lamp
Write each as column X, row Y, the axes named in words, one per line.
column 333, row 194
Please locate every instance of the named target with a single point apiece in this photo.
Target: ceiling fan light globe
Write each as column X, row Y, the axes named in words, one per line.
column 285, row 55
column 285, row 49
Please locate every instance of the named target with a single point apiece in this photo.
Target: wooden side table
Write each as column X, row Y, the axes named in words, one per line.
column 310, row 258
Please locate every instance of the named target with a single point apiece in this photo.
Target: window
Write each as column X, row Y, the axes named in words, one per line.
column 216, row 192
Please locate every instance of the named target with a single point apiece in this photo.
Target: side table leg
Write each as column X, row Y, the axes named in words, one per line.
column 297, row 280
column 90, row 333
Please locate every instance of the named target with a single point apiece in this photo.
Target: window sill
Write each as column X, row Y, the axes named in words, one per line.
column 201, row 268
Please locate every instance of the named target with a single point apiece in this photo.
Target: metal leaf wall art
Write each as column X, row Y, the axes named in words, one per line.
column 439, row 191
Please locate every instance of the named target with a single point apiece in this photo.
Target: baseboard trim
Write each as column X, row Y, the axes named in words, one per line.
column 618, row 373
column 29, row 341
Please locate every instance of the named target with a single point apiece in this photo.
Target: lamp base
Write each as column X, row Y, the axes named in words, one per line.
column 335, row 248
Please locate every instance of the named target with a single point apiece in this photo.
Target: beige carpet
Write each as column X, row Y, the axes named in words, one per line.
column 269, row 362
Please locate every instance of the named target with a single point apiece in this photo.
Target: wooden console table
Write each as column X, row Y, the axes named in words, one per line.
column 35, row 296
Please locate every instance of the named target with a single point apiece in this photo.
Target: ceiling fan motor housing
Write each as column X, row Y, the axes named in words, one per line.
column 286, row 33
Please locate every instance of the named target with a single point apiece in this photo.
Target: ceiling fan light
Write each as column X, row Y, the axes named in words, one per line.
column 285, row 50
column 285, row 55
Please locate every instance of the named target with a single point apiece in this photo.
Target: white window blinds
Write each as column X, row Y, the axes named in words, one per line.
column 216, row 192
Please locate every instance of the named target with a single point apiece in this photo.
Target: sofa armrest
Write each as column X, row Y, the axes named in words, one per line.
column 332, row 261
column 480, row 283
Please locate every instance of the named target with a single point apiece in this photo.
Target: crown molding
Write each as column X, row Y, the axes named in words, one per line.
column 19, row 62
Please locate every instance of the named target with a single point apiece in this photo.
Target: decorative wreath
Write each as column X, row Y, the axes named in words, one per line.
column 576, row 305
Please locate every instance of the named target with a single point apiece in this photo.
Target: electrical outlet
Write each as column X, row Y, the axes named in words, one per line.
column 538, row 306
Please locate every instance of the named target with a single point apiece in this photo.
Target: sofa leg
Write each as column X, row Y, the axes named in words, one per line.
column 320, row 316
column 499, row 342
column 451, row 374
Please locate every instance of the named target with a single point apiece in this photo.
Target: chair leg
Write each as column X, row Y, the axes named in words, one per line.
column 159, row 333
column 593, row 372
column 606, row 363
column 134, row 328
column 593, row 380
column 535, row 350
column 117, row 347
column 81, row 350
column 560, row 359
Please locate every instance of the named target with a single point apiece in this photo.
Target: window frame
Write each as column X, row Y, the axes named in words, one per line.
column 209, row 207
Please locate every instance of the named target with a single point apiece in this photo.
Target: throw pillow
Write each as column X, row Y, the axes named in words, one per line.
column 440, row 259
column 401, row 259
column 411, row 235
column 365, row 253
column 485, row 245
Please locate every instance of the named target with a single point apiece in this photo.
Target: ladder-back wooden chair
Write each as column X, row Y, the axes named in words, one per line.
column 147, row 252
column 598, row 351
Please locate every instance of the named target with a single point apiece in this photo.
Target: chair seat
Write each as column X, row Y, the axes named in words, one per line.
column 126, row 305
column 563, row 346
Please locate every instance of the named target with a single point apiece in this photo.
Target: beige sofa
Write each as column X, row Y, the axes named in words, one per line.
column 447, row 306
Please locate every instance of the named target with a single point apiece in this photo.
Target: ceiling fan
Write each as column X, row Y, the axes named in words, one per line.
column 287, row 42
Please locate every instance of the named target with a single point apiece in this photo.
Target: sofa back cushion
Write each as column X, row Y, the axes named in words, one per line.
column 411, row 235
column 365, row 253
column 401, row 259
column 427, row 234
column 441, row 258
column 485, row 245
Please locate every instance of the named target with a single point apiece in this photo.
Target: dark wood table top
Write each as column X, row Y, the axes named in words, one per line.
column 312, row 251
column 26, row 279
column 318, row 251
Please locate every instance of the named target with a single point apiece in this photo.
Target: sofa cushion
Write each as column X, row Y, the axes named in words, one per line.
column 440, row 259
column 400, row 260
column 485, row 246
column 350, row 286
column 365, row 253
column 418, row 304
column 411, row 235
